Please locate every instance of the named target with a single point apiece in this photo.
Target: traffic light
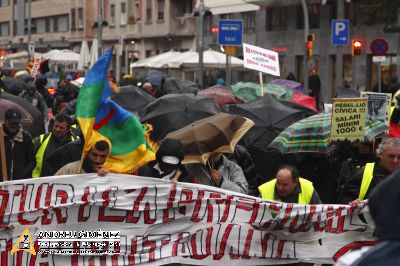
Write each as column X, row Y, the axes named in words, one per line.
column 310, row 37
column 356, row 47
column 309, row 46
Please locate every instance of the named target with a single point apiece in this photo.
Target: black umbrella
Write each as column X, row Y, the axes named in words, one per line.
column 32, row 119
column 67, row 153
column 14, row 86
column 175, row 85
column 347, row 93
column 270, row 117
column 132, row 98
column 25, row 77
column 174, row 111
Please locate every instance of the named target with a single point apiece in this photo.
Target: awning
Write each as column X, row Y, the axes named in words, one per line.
column 226, row 6
column 276, row 3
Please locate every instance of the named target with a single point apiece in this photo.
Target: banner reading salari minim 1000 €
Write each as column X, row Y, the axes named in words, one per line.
column 131, row 220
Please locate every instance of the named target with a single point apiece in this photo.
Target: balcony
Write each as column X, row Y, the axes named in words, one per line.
column 183, row 26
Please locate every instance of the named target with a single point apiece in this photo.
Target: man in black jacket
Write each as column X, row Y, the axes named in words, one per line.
column 19, row 147
column 47, row 144
column 359, row 186
column 167, row 164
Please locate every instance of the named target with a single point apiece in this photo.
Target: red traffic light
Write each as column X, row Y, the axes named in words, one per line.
column 356, row 47
column 214, row 29
column 309, row 45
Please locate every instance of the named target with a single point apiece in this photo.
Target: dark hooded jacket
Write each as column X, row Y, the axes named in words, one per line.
column 384, row 204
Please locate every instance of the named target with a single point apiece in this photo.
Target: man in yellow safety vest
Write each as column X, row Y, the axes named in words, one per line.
column 360, row 185
column 47, row 144
column 289, row 187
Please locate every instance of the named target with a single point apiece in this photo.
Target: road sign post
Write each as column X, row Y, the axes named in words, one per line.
column 340, row 32
column 230, row 33
column 379, row 47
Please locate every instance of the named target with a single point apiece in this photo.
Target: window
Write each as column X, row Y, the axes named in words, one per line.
column 227, row 16
column 249, row 21
column 55, row 28
column 48, row 24
column 160, row 8
column 41, row 25
column 4, row 29
column 112, row 14
column 80, row 18
column 136, row 13
column 62, row 23
column 313, row 16
column 123, row 14
column 4, row 3
column 148, row 11
column 276, row 19
column 73, row 19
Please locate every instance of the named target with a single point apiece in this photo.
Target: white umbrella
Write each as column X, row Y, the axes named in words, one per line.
column 94, row 52
column 84, row 56
column 62, row 56
column 156, row 61
column 211, row 59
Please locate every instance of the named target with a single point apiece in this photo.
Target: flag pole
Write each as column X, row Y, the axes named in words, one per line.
column 3, row 154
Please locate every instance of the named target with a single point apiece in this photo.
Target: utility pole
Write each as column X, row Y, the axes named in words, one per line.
column 306, row 30
column 29, row 29
column 100, row 26
column 200, row 42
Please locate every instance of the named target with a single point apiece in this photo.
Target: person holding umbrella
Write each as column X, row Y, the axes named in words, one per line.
column 35, row 98
column 220, row 172
column 20, row 158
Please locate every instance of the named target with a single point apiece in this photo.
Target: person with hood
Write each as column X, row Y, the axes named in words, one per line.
column 168, row 163
column 35, row 98
column 361, row 184
column 220, row 172
column 242, row 157
column 20, row 158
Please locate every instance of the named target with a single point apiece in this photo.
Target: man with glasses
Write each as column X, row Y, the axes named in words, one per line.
column 360, row 185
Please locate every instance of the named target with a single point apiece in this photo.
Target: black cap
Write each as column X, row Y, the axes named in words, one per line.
column 13, row 115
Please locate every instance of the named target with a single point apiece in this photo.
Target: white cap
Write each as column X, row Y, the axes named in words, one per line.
column 170, row 159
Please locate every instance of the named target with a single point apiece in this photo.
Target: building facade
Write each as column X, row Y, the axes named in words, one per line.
column 280, row 27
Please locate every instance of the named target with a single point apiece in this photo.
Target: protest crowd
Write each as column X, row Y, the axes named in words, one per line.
column 275, row 149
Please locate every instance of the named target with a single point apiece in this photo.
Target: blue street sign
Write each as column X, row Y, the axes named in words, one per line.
column 340, row 32
column 230, row 32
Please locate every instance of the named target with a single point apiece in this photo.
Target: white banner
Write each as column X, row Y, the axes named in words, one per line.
column 260, row 59
column 152, row 221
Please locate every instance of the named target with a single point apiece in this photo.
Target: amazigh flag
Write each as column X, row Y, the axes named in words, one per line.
column 101, row 118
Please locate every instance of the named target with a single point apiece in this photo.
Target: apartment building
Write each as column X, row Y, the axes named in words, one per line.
column 280, row 27
column 55, row 24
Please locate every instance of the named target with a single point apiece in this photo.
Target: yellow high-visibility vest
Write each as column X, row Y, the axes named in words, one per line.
column 267, row 191
column 40, row 154
column 366, row 180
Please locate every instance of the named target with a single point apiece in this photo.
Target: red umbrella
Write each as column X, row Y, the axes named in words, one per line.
column 304, row 100
column 221, row 94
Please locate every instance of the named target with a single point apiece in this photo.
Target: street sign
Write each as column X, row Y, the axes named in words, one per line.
column 230, row 32
column 340, row 32
column 230, row 50
column 379, row 47
column 379, row 59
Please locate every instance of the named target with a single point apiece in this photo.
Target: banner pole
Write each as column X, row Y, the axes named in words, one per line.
column 261, row 84
column 3, row 154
